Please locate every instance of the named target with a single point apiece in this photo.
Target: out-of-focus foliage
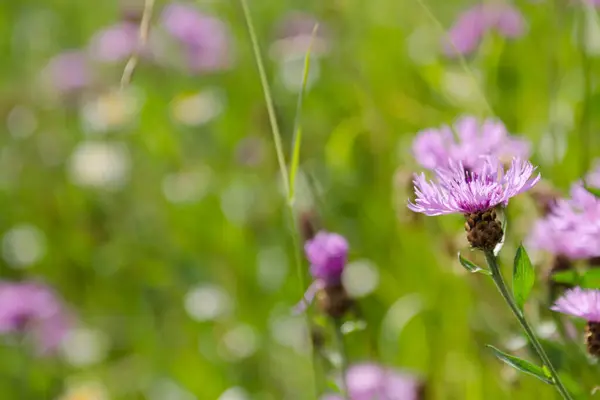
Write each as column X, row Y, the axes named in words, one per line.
column 157, row 212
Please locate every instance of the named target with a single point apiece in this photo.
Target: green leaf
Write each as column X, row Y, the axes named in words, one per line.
column 523, row 365
column 590, row 279
column 593, row 190
column 570, row 277
column 469, row 266
column 523, row 277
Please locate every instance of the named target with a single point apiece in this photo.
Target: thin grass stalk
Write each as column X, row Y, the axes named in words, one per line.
column 276, row 133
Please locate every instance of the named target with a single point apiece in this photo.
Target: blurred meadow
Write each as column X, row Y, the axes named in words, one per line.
column 156, row 211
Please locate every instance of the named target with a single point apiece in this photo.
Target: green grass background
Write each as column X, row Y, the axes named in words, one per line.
column 125, row 260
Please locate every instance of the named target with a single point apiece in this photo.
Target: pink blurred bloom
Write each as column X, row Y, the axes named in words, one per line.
column 205, row 39
column 467, row 141
column 367, row 381
column 115, row 43
column 69, row 72
column 459, row 190
column 581, row 303
column 33, row 308
column 572, row 228
column 472, row 25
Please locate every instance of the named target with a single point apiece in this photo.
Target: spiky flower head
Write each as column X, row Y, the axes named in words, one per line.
column 572, row 227
column 368, row 381
column 467, row 141
column 581, row 303
column 458, row 190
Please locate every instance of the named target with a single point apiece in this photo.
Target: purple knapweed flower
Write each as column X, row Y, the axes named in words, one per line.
column 367, row 381
column 470, row 28
column 581, row 303
column 327, row 253
column 459, row 190
column 69, row 72
column 115, row 43
column 33, row 308
column 572, row 227
column 205, row 40
column 467, row 141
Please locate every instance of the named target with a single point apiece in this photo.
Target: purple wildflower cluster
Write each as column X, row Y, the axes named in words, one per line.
column 571, row 228
column 367, row 381
column 467, row 141
column 33, row 308
column 204, row 40
column 465, row 36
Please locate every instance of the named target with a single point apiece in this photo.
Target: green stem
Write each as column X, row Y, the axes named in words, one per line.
column 339, row 335
column 501, row 285
column 584, row 122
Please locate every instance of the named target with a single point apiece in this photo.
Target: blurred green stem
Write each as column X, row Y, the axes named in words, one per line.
column 584, row 121
column 339, row 335
column 501, row 285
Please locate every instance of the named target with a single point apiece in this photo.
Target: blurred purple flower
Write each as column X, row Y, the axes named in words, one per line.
column 205, row 39
column 115, row 43
column 33, row 308
column 293, row 36
column 69, row 72
column 572, row 228
column 367, row 381
column 327, row 253
column 467, row 141
column 459, row 190
column 472, row 25
column 582, row 303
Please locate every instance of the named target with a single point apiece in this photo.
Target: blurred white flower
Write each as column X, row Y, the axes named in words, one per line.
column 166, row 389
column 207, row 302
column 23, row 245
column 290, row 331
column 291, row 71
column 103, row 165
column 197, row 108
column 238, row 201
column 239, row 342
column 273, row 268
column 234, row 393
column 92, row 390
column 112, row 110
column 84, row 347
column 360, row 278
column 21, row 122
column 187, row 187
